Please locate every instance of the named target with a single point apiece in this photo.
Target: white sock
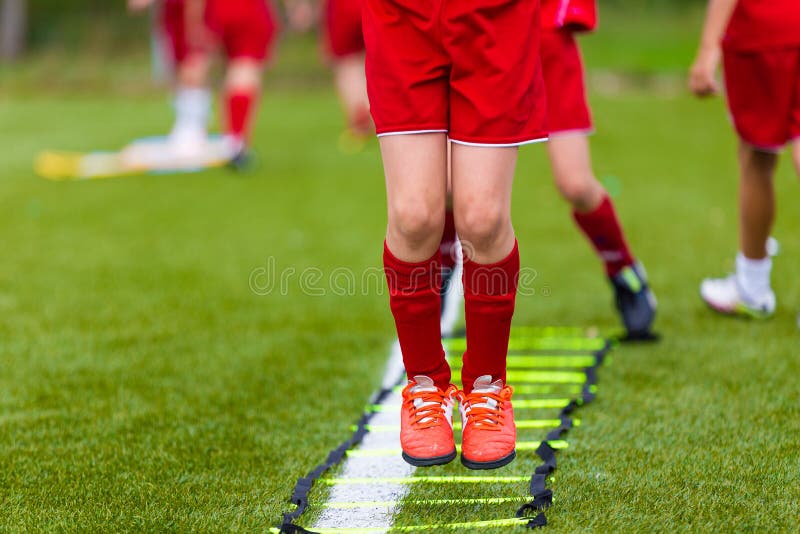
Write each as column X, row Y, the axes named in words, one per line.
column 192, row 109
column 753, row 277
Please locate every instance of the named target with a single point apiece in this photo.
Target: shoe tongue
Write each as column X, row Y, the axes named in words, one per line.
column 423, row 383
column 484, row 384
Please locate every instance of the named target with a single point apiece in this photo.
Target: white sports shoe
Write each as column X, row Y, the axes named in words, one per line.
column 187, row 144
column 725, row 296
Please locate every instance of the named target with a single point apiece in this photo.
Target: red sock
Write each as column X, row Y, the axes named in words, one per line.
column 415, row 302
column 602, row 228
column 489, row 295
column 240, row 108
column 447, row 248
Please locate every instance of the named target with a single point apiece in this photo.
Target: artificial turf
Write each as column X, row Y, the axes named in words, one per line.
column 145, row 385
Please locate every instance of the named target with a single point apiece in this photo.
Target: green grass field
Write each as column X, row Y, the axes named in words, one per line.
column 145, row 387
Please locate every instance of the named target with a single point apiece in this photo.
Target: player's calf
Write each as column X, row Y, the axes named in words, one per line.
column 242, row 93
column 482, row 179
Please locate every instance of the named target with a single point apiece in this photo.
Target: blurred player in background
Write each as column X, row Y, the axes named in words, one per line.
column 759, row 44
column 194, row 29
column 344, row 47
column 570, row 124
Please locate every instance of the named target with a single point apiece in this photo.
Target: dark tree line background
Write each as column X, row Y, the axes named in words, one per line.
column 72, row 25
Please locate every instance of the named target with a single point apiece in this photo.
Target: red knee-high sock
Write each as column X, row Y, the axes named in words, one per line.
column 240, row 107
column 447, row 248
column 602, row 228
column 416, row 305
column 489, row 295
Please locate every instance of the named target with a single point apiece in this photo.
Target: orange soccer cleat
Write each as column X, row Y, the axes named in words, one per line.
column 426, row 423
column 489, row 433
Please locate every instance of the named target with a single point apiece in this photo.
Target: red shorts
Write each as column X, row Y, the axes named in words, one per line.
column 343, row 33
column 764, row 96
column 243, row 28
column 567, row 108
column 471, row 69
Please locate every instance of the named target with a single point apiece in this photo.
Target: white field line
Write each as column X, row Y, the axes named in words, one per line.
column 381, row 517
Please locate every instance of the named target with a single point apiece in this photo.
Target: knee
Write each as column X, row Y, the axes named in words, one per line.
column 243, row 73
column 415, row 223
column 193, row 71
column 581, row 191
column 480, row 225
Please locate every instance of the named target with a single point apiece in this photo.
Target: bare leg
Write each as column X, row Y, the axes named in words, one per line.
column 244, row 74
column 351, row 84
column 748, row 291
column 572, row 170
column 193, row 71
column 482, row 182
column 756, row 200
column 415, row 190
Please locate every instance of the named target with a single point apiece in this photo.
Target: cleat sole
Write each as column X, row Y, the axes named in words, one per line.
column 429, row 462
column 496, row 464
column 647, row 336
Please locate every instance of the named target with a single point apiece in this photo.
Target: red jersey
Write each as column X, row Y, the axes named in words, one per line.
column 572, row 15
column 764, row 24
